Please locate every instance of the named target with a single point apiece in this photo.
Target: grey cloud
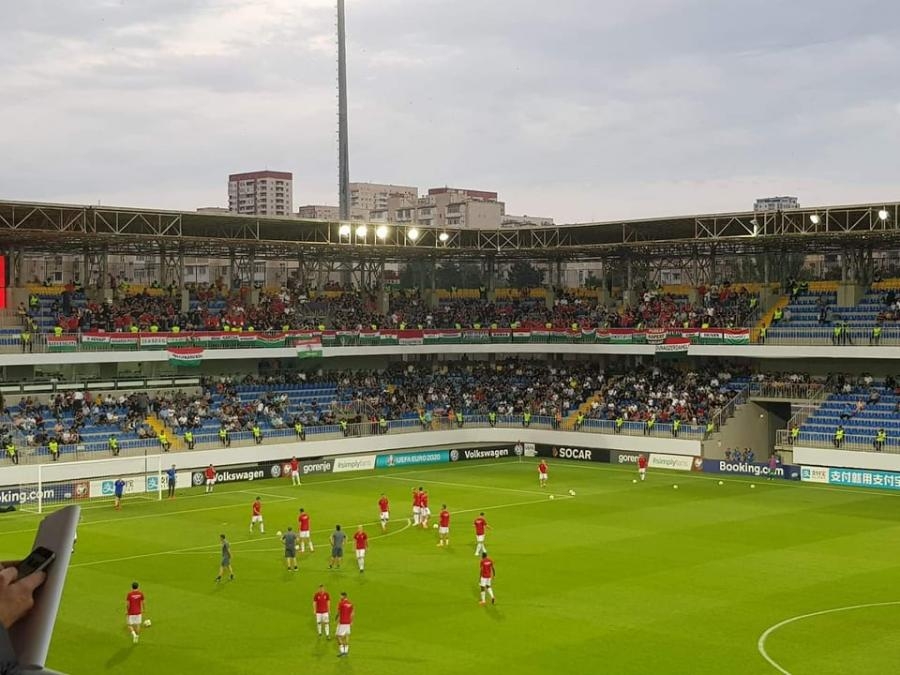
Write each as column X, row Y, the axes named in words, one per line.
column 576, row 109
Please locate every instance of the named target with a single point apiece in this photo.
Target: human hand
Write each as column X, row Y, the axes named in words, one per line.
column 16, row 597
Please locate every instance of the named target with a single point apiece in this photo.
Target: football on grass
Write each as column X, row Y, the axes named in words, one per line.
column 147, row 623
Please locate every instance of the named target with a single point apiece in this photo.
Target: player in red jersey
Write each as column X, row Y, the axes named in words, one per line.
column 344, row 619
column 322, row 608
column 384, row 511
column 444, row 526
column 424, row 511
column 256, row 516
column 480, row 526
column 542, row 474
column 362, row 545
column 642, row 466
column 295, row 471
column 210, row 477
column 416, row 506
column 134, row 607
column 487, row 575
column 303, row 520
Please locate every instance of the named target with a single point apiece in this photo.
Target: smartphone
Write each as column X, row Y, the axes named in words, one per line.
column 39, row 559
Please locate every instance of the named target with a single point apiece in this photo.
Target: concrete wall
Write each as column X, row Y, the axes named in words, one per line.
column 851, row 459
column 768, row 354
column 27, row 474
column 752, row 426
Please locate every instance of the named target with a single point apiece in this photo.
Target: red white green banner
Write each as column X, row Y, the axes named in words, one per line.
column 63, row 343
column 382, row 337
column 674, row 347
column 308, row 349
column 189, row 357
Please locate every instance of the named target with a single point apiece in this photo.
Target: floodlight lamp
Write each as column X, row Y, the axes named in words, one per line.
column 413, row 234
column 814, row 219
column 443, row 236
column 883, row 214
column 381, row 232
column 361, row 232
column 344, row 230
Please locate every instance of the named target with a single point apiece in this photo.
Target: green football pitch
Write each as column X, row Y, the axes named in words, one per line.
column 620, row 578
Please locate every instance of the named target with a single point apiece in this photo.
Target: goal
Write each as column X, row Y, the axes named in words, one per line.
column 53, row 485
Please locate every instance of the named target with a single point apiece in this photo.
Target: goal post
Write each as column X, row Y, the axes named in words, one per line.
column 54, row 485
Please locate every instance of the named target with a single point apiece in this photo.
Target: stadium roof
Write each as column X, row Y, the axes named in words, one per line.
column 68, row 228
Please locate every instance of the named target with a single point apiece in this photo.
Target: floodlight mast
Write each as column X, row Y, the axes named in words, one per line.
column 343, row 141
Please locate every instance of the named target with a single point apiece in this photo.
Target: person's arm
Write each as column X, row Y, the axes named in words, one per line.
column 16, row 599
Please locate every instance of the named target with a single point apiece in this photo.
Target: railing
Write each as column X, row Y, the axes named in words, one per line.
column 857, row 442
column 206, row 439
column 784, row 334
column 727, row 411
column 96, row 341
column 41, row 342
column 816, row 396
column 788, row 391
column 126, row 383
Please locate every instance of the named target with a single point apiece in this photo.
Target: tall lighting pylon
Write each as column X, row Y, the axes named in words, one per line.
column 343, row 141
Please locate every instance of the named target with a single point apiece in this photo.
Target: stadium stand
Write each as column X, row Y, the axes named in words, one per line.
column 402, row 397
column 154, row 309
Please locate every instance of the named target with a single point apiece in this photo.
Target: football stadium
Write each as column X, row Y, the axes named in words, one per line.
column 342, row 444
column 767, row 413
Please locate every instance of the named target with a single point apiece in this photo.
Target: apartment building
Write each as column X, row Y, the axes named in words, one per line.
column 332, row 213
column 261, row 193
column 374, row 196
column 444, row 207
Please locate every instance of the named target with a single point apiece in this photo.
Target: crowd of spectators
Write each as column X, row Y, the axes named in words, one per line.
column 741, row 456
column 665, row 394
column 552, row 390
column 213, row 307
column 722, row 306
column 64, row 417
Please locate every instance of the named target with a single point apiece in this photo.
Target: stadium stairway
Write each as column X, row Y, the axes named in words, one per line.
column 157, row 425
column 766, row 319
column 569, row 421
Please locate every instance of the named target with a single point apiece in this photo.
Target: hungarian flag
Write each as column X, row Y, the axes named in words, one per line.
column 63, row 343
column 737, row 337
column 269, row 340
column 185, row 356
column 673, row 348
column 309, row 349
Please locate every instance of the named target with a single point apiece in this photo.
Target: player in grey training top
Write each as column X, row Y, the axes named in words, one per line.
column 226, row 560
column 290, row 549
column 337, row 547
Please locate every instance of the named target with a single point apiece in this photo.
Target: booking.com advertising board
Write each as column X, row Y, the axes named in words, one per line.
column 881, row 480
column 785, row 471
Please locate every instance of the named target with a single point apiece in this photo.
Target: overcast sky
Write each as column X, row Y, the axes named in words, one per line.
column 580, row 110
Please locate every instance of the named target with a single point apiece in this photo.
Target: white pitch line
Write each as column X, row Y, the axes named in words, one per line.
column 311, row 485
column 781, row 483
column 206, row 547
column 281, row 498
column 761, row 643
column 466, row 485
